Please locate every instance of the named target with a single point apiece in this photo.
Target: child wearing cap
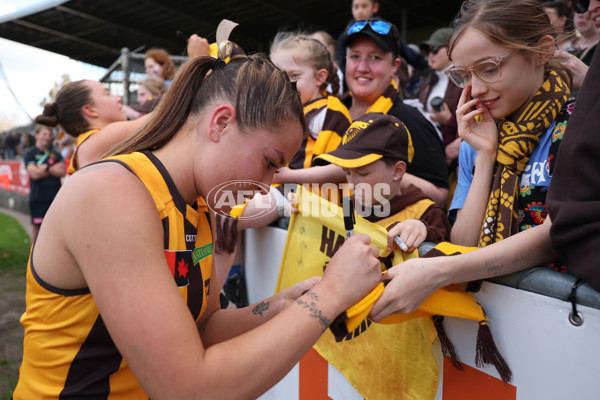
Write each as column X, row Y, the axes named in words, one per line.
column 374, row 153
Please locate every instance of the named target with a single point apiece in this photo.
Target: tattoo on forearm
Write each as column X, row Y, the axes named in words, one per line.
column 314, row 311
column 260, row 308
column 312, row 295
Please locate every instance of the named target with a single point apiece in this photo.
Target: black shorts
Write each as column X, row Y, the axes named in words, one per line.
column 37, row 210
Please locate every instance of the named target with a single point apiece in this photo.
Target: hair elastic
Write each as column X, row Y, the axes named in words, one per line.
column 218, row 63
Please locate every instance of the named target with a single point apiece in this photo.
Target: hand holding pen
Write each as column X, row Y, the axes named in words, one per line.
column 400, row 243
column 407, row 235
column 349, row 218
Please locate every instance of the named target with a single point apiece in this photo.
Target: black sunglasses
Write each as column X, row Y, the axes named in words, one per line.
column 434, row 49
column 580, row 6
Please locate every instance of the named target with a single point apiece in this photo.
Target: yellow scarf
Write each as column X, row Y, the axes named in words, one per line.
column 517, row 142
column 385, row 102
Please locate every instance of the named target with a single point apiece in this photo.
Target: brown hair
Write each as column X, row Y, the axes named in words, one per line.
column 66, row 109
column 315, row 53
column 261, row 93
column 38, row 128
column 514, row 24
column 161, row 56
column 154, row 85
column 563, row 10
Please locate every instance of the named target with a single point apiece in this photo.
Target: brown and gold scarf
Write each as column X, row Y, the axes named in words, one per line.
column 517, row 142
column 385, row 102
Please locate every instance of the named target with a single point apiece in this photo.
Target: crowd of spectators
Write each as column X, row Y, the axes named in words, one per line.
column 516, row 74
column 15, row 142
column 413, row 85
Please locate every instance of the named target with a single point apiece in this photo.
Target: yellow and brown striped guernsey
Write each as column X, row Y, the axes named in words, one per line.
column 336, row 121
column 68, row 352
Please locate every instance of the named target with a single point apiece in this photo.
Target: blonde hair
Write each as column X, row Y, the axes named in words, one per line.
column 315, row 54
column 154, row 85
column 262, row 95
column 327, row 40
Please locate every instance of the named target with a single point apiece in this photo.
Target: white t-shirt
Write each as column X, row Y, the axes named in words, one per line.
column 438, row 90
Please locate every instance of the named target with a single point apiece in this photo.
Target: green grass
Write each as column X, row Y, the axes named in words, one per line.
column 12, row 383
column 14, row 246
column 14, row 251
column 7, row 384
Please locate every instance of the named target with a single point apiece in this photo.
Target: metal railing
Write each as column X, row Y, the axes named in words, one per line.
column 128, row 63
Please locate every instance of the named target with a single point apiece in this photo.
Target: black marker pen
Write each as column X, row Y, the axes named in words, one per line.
column 349, row 219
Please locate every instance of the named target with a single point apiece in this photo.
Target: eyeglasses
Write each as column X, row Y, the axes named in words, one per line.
column 434, row 49
column 486, row 70
column 378, row 26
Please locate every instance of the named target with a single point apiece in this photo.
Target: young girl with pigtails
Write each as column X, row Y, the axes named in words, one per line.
column 309, row 64
column 310, row 67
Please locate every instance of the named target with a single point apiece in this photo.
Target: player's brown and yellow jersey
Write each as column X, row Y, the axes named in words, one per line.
column 68, row 352
column 80, row 139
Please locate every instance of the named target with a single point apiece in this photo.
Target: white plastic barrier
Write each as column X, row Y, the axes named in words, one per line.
column 550, row 358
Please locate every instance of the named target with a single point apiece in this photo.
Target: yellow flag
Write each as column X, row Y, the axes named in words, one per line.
column 392, row 361
column 388, row 360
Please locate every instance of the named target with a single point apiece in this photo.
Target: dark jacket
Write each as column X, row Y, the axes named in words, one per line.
column 574, row 196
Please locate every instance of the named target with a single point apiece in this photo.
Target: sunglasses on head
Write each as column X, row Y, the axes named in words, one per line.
column 377, row 25
column 580, row 6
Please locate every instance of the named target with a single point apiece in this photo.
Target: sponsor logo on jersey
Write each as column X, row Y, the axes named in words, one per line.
column 200, row 253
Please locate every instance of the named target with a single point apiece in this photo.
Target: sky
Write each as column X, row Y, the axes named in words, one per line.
column 31, row 73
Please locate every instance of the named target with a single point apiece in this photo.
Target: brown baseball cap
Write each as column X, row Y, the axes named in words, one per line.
column 369, row 138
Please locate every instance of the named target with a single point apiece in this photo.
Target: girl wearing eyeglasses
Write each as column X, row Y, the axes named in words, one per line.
column 512, row 114
column 572, row 233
